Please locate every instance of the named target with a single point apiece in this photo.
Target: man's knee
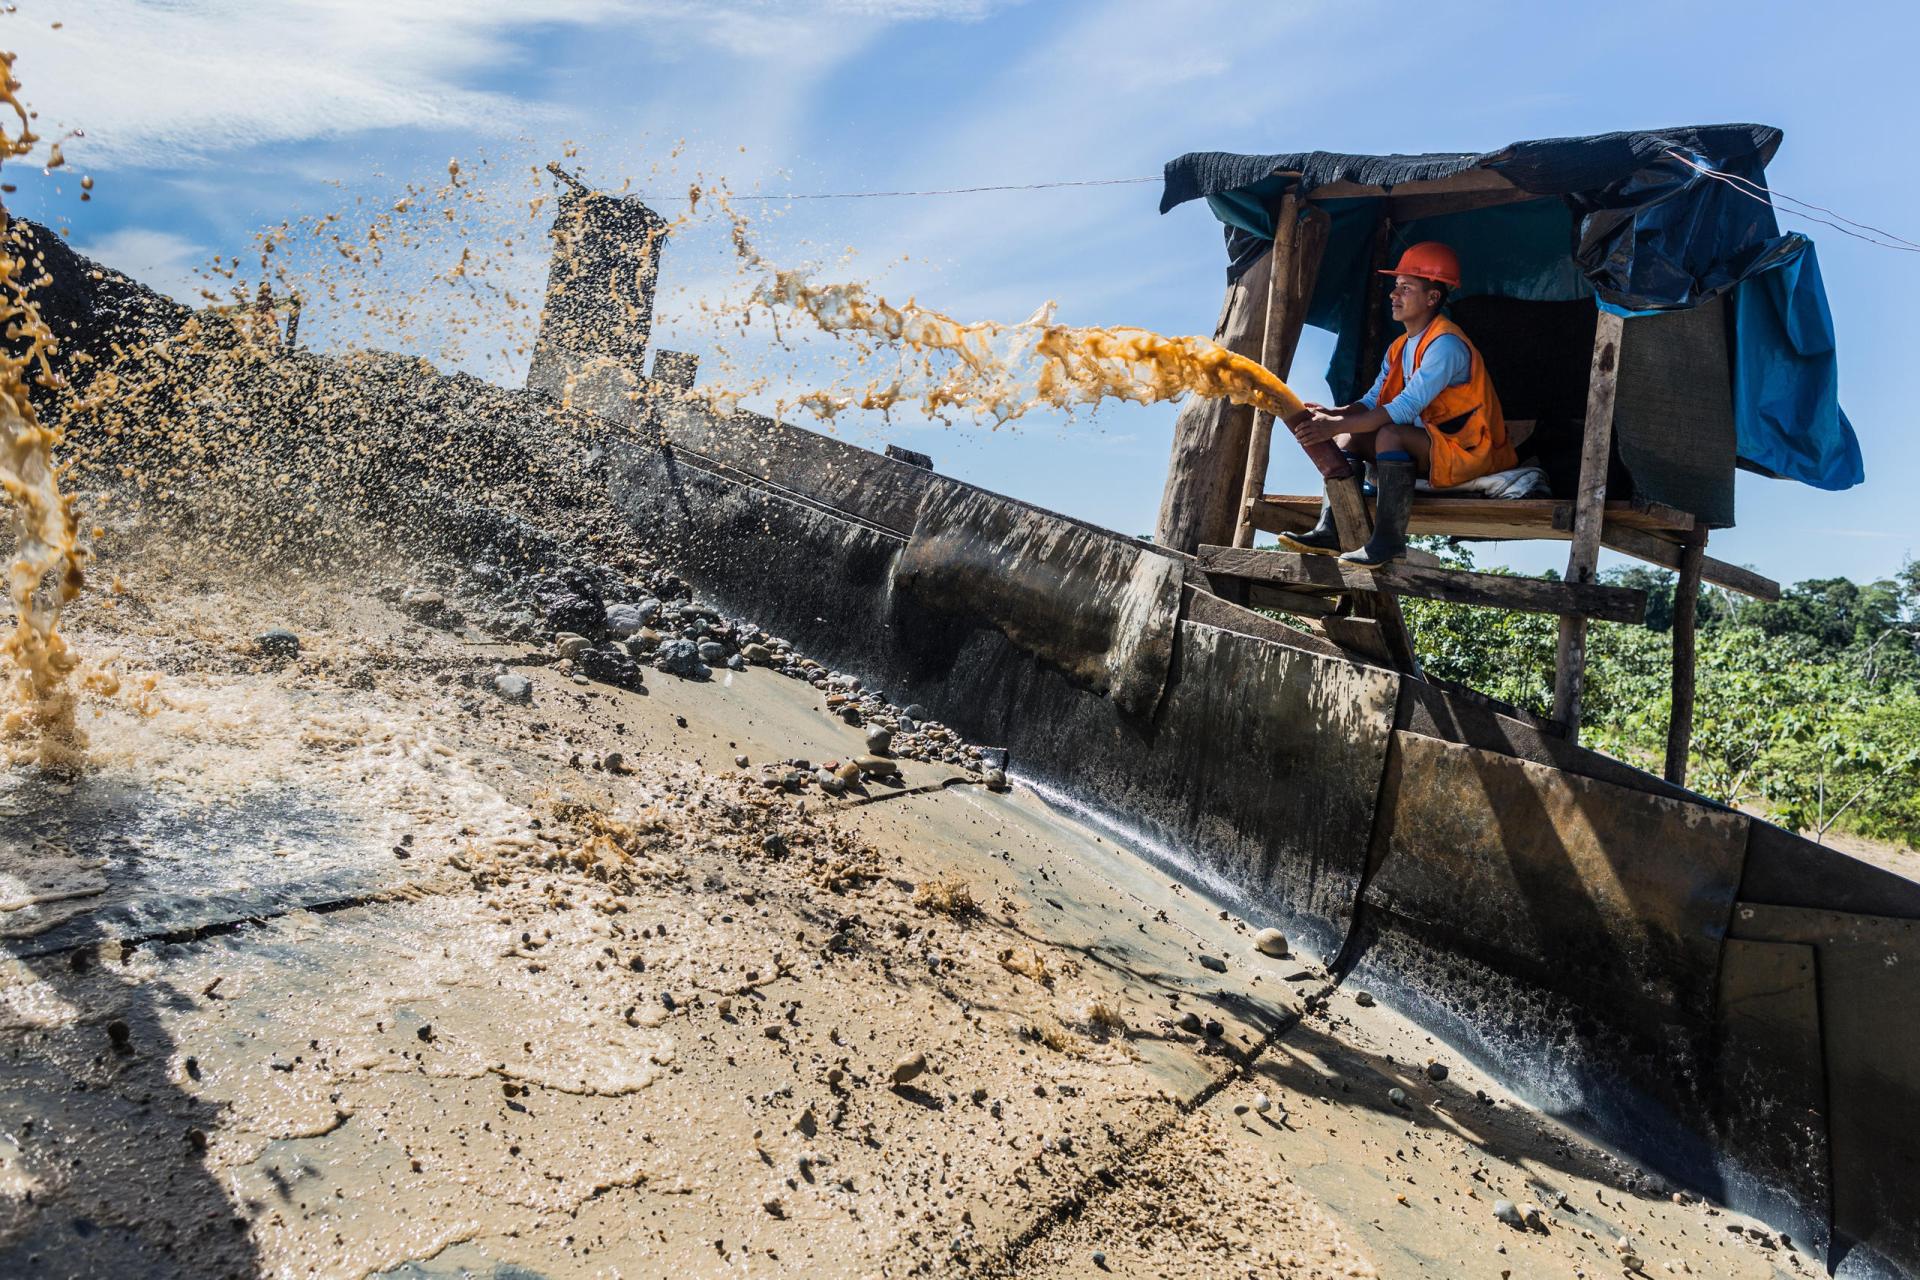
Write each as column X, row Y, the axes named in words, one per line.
column 1401, row 438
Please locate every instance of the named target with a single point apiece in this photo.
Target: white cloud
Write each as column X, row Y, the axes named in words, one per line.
column 180, row 83
column 158, row 259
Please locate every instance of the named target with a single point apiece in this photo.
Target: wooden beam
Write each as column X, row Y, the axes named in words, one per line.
column 1211, row 611
column 1494, row 518
column 1295, row 275
column 1496, row 590
column 1686, row 595
column 1589, row 515
column 1350, row 518
column 1467, row 180
column 1668, row 555
column 1364, row 636
column 1308, row 604
column 1207, row 463
column 1501, row 519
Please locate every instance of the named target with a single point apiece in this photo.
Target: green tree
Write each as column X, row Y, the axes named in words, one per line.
column 1808, row 707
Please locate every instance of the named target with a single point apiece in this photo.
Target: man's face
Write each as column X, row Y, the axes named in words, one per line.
column 1411, row 296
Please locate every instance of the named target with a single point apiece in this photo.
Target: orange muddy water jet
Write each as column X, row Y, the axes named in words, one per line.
column 1004, row 371
column 47, row 566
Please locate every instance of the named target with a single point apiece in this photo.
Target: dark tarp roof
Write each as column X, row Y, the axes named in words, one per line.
column 1623, row 218
column 1548, row 167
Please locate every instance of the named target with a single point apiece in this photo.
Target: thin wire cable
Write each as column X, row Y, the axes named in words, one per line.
column 1734, row 181
column 1805, row 204
column 945, row 191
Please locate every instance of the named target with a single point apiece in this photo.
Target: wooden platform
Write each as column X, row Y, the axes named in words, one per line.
column 1503, row 591
column 1646, row 531
column 1479, row 517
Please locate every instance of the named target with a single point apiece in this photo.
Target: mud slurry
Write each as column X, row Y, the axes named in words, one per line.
column 499, row 1009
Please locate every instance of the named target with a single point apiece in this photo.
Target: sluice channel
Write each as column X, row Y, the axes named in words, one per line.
column 368, row 1015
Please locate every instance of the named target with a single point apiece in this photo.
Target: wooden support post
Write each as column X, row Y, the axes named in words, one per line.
column 1299, row 240
column 1207, row 465
column 1355, row 526
column 1589, row 515
column 1686, row 599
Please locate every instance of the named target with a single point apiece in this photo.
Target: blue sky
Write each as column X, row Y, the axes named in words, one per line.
column 205, row 119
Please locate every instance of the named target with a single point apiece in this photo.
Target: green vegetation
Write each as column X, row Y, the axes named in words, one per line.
column 1808, row 707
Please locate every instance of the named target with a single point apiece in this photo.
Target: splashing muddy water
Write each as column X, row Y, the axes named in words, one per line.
column 47, row 569
column 1005, row 371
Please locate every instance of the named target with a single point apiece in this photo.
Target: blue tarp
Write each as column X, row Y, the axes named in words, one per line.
column 1785, row 382
column 1623, row 218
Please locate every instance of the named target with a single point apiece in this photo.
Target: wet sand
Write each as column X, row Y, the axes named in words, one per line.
column 345, row 967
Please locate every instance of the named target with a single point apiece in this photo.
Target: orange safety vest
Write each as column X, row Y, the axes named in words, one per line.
column 1464, row 423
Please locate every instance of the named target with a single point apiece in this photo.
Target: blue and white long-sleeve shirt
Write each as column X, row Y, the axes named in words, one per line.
column 1448, row 364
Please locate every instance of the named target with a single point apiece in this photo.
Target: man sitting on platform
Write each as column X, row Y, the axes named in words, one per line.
column 1432, row 412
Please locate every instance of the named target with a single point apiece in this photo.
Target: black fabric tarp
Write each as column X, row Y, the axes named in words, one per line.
column 1654, row 233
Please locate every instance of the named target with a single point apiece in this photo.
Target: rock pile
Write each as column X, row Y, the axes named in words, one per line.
column 590, row 625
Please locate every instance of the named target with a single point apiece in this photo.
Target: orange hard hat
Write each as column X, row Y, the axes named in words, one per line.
column 1429, row 260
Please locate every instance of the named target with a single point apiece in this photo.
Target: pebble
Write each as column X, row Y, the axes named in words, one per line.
column 711, row 651
column 625, row 619
column 996, row 779
column 1190, row 1022
column 1507, row 1212
column 422, row 604
column 277, row 643
column 876, row 766
column 758, row 654
column 1364, row 999
column 679, row 657
column 914, row 711
column 513, row 688
column 909, row 1067
column 1215, row 963
column 1436, row 1071
column 740, row 761
column 829, row 781
column 121, row 1035
column 611, row 665
column 643, row 642
column 1262, row 1103
column 1271, row 942
column 1397, row 1096
column 1099, row 1258
column 879, row 740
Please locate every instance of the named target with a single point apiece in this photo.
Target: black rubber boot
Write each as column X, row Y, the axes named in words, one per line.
column 1392, row 509
column 1321, row 540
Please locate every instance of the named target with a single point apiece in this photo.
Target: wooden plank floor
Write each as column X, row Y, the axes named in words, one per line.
column 1502, row 591
column 1650, row 533
column 1478, row 517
